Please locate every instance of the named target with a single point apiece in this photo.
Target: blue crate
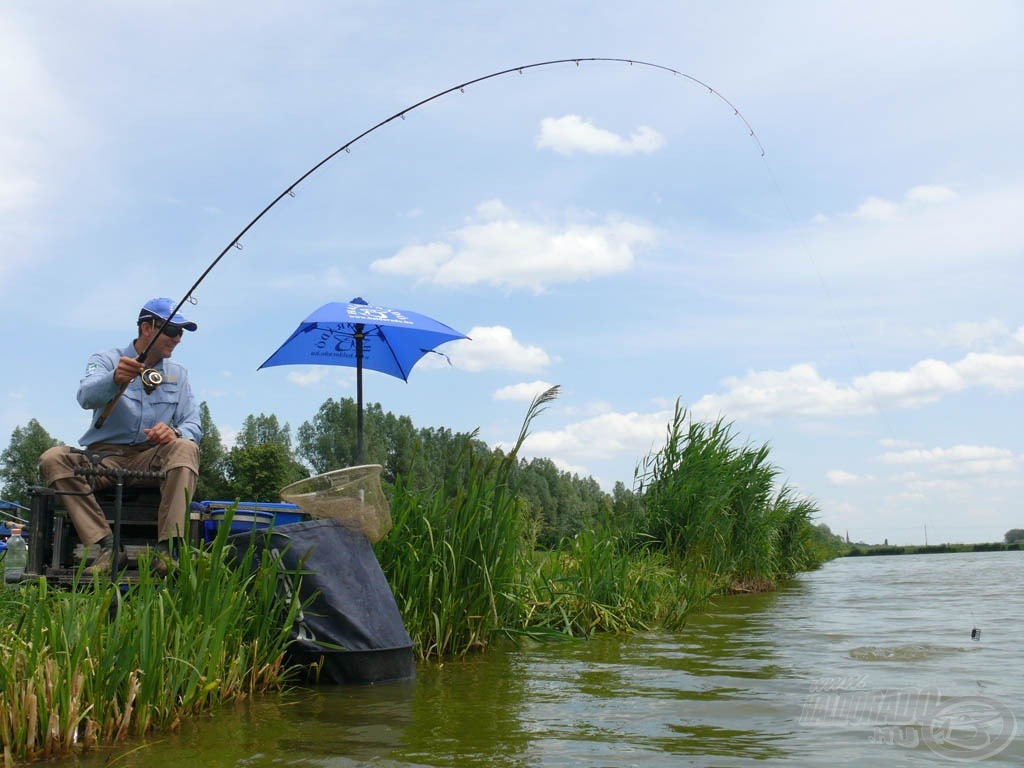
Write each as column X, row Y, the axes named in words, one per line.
column 248, row 515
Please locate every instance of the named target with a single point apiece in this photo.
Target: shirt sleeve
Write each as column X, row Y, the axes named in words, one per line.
column 97, row 386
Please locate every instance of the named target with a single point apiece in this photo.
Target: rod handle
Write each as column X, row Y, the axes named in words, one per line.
column 110, row 407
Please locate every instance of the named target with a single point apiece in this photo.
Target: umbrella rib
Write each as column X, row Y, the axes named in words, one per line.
column 391, row 350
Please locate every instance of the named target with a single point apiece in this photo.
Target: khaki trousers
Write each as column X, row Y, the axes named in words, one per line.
column 178, row 459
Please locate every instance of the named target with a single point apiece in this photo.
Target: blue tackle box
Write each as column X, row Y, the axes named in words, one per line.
column 247, row 515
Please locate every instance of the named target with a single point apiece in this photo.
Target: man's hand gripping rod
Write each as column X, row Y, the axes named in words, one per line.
column 151, row 378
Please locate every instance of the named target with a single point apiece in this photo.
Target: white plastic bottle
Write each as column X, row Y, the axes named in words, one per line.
column 16, row 558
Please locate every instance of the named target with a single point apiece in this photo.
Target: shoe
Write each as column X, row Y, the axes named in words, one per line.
column 104, row 560
column 161, row 562
column 158, row 564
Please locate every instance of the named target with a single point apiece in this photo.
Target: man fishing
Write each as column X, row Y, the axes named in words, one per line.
column 154, row 427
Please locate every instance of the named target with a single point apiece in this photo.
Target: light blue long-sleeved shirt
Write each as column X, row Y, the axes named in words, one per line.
column 171, row 403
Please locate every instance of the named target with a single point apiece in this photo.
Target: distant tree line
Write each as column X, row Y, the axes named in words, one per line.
column 266, row 456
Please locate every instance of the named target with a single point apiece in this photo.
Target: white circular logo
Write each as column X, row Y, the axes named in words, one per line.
column 970, row 728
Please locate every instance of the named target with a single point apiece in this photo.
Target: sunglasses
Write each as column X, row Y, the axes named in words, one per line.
column 171, row 331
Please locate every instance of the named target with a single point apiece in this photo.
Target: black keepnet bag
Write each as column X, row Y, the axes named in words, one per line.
column 348, row 604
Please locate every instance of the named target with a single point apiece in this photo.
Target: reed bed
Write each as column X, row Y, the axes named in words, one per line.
column 712, row 518
column 95, row 665
column 598, row 582
column 98, row 664
column 717, row 510
column 455, row 554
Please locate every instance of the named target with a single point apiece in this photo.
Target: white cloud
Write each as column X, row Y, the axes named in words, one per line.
column 574, row 469
column 524, row 391
column 417, row 260
column 798, row 390
column 930, row 194
column 570, row 134
column 925, row 382
column 877, row 209
column 1001, row 372
column 976, row 333
column 495, row 348
column 801, row 391
column 840, row 477
column 503, row 250
column 958, row 460
column 307, row 376
column 493, row 209
column 603, row 436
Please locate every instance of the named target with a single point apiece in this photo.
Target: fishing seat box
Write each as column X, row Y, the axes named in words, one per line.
column 62, row 548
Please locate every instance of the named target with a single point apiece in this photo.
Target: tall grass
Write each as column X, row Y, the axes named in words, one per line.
column 102, row 662
column 462, row 563
column 598, row 581
column 454, row 556
column 717, row 510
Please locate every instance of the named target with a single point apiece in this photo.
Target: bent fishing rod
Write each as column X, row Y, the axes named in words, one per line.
column 152, row 378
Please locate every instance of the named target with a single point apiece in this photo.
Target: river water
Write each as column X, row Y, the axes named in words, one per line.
column 867, row 661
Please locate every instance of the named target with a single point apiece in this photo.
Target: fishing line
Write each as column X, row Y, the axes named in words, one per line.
column 872, row 395
column 289, row 191
column 869, row 390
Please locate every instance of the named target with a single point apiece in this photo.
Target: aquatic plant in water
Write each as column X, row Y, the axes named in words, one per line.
column 96, row 664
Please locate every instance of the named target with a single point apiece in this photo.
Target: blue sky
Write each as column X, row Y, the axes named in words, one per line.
column 852, row 297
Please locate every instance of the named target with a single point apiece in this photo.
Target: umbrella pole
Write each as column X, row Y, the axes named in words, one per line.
column 359, row 393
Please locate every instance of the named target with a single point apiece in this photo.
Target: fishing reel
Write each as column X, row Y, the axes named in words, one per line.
column 151, row 379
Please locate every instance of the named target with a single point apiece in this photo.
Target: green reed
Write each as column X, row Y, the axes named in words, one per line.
column 455, row 554
column 598, row 582
column 712, row 519
column 716, row 508
column 99, row 663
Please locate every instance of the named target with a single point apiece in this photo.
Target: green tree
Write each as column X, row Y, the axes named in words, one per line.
column 831, row 543
column 626, row 509
column 439, row 454
column 328, row 440
column 258, row 430
column 1014, row 535
column 19, row 463
column 560, row 504
column 213, row 482
column 259, row 472
column 535, row 500
column 261, row 462
column 397, row 446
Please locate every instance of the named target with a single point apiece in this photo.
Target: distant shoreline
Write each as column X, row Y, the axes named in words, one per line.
column 872, row 550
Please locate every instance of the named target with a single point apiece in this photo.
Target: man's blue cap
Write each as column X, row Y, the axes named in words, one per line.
column 160, row 309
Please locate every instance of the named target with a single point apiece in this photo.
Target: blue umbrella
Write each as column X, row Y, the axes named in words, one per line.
column 359, row 335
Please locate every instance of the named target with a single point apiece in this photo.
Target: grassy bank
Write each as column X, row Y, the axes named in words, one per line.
column 97, row 664
column 868, row 550
column 464, row 565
